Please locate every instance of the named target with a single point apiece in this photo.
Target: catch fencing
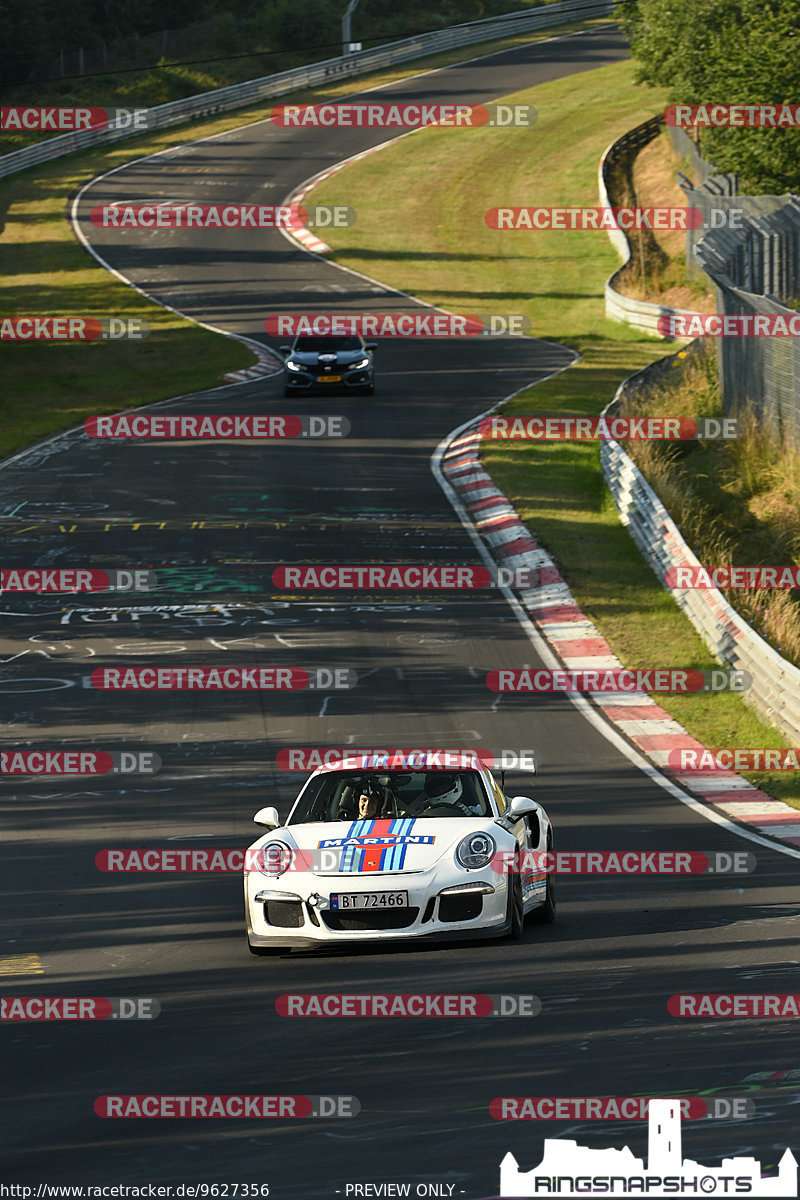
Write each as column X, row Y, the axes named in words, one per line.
column 753, row 259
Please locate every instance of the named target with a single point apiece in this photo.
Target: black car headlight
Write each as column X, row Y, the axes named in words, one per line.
column 360, row 365
column 275, row 858
column 293, row 366
column 476, row 850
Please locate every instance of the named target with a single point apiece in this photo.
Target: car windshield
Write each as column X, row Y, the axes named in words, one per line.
column 326, row 345
column 334, row 796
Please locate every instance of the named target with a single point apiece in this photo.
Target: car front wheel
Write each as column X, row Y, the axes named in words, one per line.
column 516, row 914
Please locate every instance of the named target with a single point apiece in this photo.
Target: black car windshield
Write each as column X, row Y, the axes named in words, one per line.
column 326, row 345
column 334, row 796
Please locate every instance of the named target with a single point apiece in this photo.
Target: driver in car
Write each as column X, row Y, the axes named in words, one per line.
column 443, row 790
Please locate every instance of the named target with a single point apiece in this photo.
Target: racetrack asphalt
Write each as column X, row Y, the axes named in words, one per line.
column 223, row 515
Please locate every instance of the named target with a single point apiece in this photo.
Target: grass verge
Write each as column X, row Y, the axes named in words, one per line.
column 421, row 229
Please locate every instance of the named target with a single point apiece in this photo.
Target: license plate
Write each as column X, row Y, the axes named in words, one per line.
column 329, row 379
column 349, row 900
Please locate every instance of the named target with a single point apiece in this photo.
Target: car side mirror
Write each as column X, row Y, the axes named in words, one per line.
column 521, row 806
column 267, row 817
column 285, row 349
column 370, row 345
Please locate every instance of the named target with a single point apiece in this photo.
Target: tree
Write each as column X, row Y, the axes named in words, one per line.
column 726, row 52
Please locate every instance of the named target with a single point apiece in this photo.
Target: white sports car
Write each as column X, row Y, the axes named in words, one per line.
column 371, row 855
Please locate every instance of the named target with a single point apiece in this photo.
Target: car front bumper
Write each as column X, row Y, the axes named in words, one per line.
column 297, row 913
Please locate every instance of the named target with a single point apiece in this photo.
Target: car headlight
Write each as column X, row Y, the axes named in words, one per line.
column 476, row 850
column 275, row 858
column 293, row 366
column 360, row 365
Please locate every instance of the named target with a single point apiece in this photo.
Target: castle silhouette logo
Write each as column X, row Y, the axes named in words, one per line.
column 568, row 1169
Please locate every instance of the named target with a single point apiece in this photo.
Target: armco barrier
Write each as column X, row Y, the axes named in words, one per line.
column 347, row 66
column 775, row 693
column 641, row 314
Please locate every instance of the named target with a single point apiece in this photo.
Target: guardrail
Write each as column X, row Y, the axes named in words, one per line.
column 641, row 314
column 346, row 66
column 775, row 693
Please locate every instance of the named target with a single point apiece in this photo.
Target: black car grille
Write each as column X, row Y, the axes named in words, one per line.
column 285, row 914
column 464, row 906
column 368, row 918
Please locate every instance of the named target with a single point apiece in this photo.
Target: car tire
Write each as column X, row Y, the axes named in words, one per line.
column 516, row 915
column 545, row 914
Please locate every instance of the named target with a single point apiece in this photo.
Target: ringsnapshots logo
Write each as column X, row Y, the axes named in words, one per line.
column 226, row 679
column 258, row 1107
column 568, row 1169
column 67, row 580
column 78, row 1008
column 396, row 1004
column 171, row 215
column 422, row 323
column 625, row 680
column 225, row 427
column 73, row 329
column 542, row 428
column 727, row 116
column 377, row 114
column 615, row 1108
column 72, row 120
column 79, row 762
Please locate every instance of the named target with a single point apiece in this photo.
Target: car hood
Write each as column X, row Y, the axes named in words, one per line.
column 379, row 847
column 343, row 357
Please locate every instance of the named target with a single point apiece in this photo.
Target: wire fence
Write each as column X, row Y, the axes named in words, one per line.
column 749, row 246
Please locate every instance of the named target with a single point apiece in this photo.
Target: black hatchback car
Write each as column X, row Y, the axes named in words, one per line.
column 318, row 363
